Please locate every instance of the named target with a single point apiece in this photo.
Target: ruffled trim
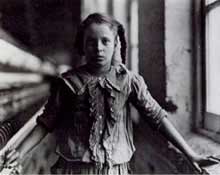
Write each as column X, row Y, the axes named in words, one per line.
column 111, row 120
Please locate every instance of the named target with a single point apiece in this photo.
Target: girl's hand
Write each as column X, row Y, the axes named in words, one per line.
column 12, row 158
column 200, row 161
column 205, row 161
column 2, row 159
column 10, row 162
column 15, row 170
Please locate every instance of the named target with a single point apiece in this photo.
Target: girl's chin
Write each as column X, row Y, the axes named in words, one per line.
column 99, row 64
column 99, row 61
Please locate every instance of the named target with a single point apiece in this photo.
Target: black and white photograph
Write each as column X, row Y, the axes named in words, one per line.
column 109, row 87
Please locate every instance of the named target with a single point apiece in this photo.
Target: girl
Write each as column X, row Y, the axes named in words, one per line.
column 88, row 109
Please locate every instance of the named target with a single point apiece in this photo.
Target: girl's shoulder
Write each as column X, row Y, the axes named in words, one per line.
column 75, row 78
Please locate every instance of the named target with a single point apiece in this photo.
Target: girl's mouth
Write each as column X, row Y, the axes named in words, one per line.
column 99, row 57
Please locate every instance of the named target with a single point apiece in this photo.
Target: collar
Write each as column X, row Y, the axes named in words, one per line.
column 111, row 79
column 108, row 81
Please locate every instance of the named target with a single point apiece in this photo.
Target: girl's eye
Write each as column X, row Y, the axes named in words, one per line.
column 105, row 41
column 90, row 42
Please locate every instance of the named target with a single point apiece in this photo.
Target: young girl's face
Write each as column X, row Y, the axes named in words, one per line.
column 99, row 44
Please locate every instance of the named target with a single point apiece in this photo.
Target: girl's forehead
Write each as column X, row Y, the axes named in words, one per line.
column 96, row 28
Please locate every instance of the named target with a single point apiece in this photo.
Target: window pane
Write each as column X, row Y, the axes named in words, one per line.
column 213, row 61
column 134, row 36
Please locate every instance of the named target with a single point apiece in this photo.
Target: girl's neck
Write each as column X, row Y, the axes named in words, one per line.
column 98, row 71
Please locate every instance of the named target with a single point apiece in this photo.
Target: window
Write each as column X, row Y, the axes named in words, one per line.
column 210, row 67
column 133, row 61
column 212, row 60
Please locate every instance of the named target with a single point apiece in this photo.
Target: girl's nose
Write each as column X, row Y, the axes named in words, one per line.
column 99, row 46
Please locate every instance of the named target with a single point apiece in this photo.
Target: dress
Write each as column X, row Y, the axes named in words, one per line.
column 91, row 119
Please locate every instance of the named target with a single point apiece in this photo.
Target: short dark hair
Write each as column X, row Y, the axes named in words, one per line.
column 100, row 19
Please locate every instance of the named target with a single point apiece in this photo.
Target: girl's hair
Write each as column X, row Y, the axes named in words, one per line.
column 100, row 19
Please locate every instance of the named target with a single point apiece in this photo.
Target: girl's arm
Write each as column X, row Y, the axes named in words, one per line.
column 151, row 111
column 33, row 139
column 168, row 130
column 12, row 156
column 46, row 121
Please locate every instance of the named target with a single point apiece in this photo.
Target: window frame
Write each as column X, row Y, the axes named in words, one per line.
column 203, row 119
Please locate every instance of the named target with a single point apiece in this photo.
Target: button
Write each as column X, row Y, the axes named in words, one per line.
column 100, row 117
column 111, row 109
column 100, row 132
column 100, row 78
column 92, row 109
column 100, row 146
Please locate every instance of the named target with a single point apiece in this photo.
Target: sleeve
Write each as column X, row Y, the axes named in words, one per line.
column 145, row 103
column 50, row 116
